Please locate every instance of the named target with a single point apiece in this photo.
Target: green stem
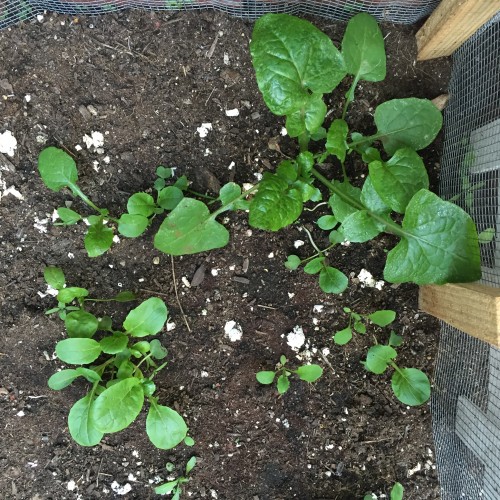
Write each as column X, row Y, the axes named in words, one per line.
column 140, row 362
column 396, row 367
column 349, row 97
column 344, row 172
column 100, row 369
column 303, row 141
column 200, row 195
column 321, row 252
column 390, row 226
column 77, row 191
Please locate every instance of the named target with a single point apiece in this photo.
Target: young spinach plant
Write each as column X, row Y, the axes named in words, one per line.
column 308, row 373
column 119, row 364
column 296, row 65
column 175, row 486
column 358, row 323
column 410, row 385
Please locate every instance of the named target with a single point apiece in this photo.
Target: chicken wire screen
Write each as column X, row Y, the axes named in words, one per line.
column 466, row 400
column 398, row 11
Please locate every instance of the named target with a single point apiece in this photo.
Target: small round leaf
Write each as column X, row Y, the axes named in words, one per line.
column 165, row 427
column 332, row 280
column 54, row 277
column 343, row 337
column 81, row 324
column 283, row 384
column 265, row 377
column 78, row 351
column 309, row 373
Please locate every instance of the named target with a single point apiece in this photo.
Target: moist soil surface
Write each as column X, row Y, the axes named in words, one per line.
column 147, row 81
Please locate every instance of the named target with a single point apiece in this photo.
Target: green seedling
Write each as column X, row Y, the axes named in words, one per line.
column 54, row 277
column 410, row 385
column 396, row 493
column 175, row 486
column 119, row 364
column 308, row 373
column 358, row 323
column 295, row 66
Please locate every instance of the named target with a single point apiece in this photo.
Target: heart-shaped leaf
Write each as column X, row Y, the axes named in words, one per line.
column 164, row 426
column 57, row 168
column 147, row 318
column 190, row 228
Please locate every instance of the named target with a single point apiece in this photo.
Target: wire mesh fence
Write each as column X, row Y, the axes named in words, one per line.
column 466, row 401
column 397, row 11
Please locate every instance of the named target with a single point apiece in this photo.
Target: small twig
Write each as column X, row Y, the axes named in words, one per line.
column 311, row 240
column 266, row 307
column 316, row 206
column 376, row 440
column 153, row 292
column 177, row 295
column 326, row 361
column 208, row 98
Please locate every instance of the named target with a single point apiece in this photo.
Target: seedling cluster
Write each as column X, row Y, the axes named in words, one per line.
column 296, row 65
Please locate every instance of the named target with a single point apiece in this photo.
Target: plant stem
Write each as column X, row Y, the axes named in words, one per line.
column 312, row 241
column 389, row 225
column 76, row 190
column 303, row 141
column 206, row 196
column 241, row 196
column 317, row 254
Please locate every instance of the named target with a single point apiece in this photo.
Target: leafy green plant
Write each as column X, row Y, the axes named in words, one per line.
column 410, row 385
column 396, row 493
column 308, row 373
column 175, row 486
column 119, row 364
column 358, row 322
column 296, row 65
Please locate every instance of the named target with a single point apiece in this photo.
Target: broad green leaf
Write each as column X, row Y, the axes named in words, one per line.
column 363, row 49
column 142, row 346
column 397, row 492
column 332, row 280
column 340, row 205
column 409, row 122
column 114, row 343
column 141, row 204
column 395, row 340
column 283, row 384
column 305, row 161
column 275, row 205
column 190, row 228
column 165, row 488
column 309, row 373
column 397, row 180
column 125, row 296
column 439, row 244
column 90, row 375
column 170, row 197
column 68, row 216
column 359, row 227
column 81, row 424
column 164, row 172
column 265, row 377
column 146, row 319
column 360, row 327
column 314, row 266
column 343, row 337
column 165, row 427
column 383, row 317
column 118, row 406
column 308, row 191
column 229, row 195
column 292, row 262
column 336, row 139
column 62, row 379
column 411, row 386
column 81, row 324
column 292, row 58
column 132, row 225
column 327, row 222
column 336, row 237
column 54, row 277
column 125, row 370
column 57, row 168
column 371, row 199
column 78, row 351
column 157, row 350
column 190, row 465
column 309, row 117
column 67, row 295
column 182, row 183
column 379, row 357
column 98, row 239
column 105, row 324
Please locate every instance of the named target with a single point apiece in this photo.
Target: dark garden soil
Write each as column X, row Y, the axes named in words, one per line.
column 147, row 81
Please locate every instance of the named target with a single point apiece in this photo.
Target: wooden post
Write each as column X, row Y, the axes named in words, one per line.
column 451, row 24
column 470, row 307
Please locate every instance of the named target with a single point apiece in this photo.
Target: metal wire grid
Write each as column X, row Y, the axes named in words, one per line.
column 466, row 401
column 397, row 11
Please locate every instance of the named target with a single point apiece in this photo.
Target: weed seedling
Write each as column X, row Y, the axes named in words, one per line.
column 308, row 373
column 358, row 323
column 175, row 486
column 410, row 385
column 396, row 493
column 119, row 364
